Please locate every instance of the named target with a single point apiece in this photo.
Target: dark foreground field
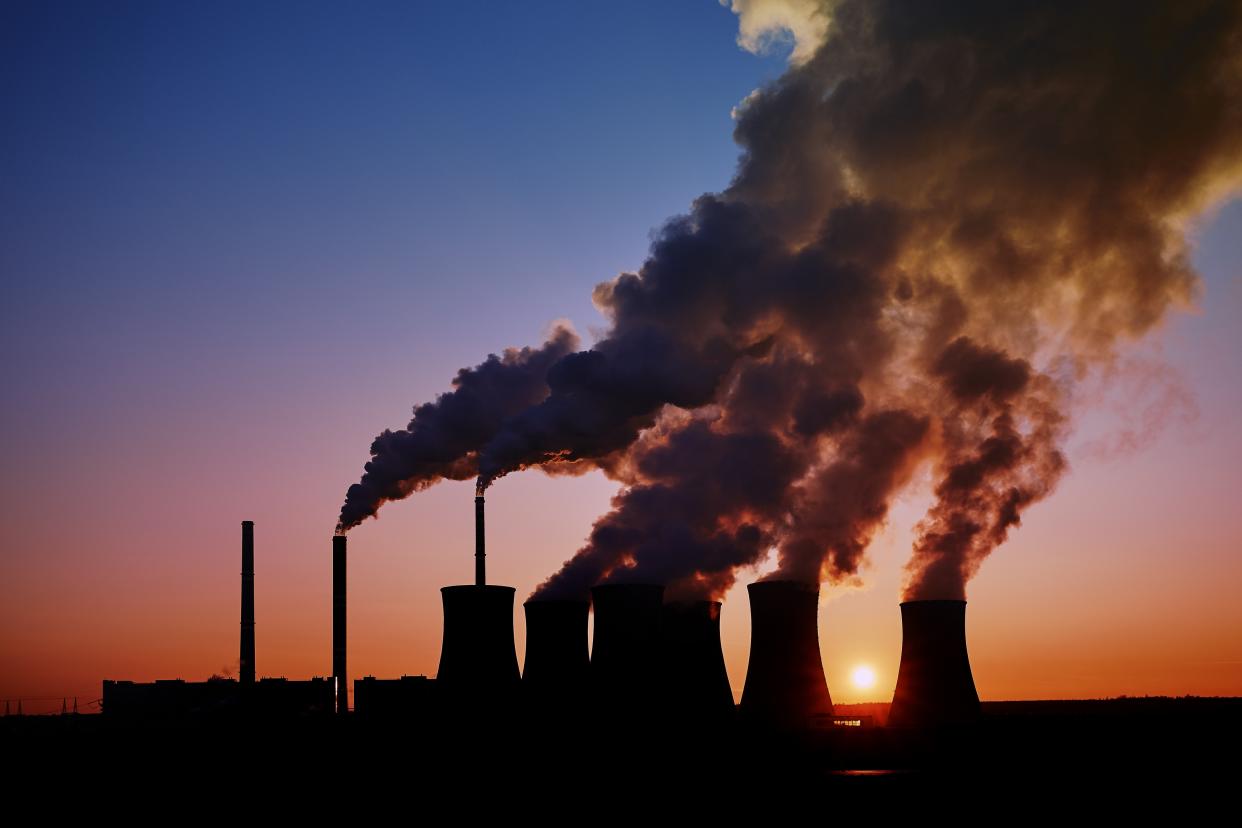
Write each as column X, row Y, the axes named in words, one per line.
column 1122, row 751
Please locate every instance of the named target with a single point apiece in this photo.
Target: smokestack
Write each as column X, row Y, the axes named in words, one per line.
column 934, row 683
column 694, row 668
column 785, row 685
column 338, row 624
column 245, row 662
column 480, row 555
column 557, row 662
column 478, row 661
column 625, row 658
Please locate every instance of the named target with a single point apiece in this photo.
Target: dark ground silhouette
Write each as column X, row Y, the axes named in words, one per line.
column 1170, row 748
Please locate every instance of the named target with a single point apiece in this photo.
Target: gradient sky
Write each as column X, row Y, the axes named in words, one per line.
column 238, row 242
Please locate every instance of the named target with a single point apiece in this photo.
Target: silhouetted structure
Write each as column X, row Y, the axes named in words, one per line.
column 478, row 660
column 480, row 553
column 178, row 699
column 694, row 671
column 339, row 674
column 409, row 697
column 651, row 662
column 557, row 660
column 169, row 698
column 267, row 697
column 785, row 684
column 625, row 660
column 245, row 668
column 934, row 683
column 281, row 696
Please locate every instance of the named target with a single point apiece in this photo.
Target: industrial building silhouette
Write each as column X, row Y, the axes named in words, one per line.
column 651, row 661
column 220, row 696
column 643, row 715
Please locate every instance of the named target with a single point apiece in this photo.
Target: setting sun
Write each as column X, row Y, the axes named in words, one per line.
column 863, row 677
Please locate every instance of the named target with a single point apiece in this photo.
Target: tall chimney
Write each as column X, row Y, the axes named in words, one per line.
column 480, row 555
column 557, row 663
column 934, row 683
column 245, row 662
column 696, row 681
column 338, row 624
column 785, row 685
column 625, row 660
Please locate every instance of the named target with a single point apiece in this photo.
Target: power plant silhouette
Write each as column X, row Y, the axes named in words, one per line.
column 273, row 697
column 651, row 660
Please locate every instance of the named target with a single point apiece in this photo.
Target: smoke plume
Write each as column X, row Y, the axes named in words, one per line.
column 442, row 440
column 945, row 216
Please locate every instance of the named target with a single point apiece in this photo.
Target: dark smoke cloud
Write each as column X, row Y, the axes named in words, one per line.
column 442, row 440
column 838, row 510
column 717, row 291
column 943, row 219
column 971, row 372
column 701, row 502
column 988, row 468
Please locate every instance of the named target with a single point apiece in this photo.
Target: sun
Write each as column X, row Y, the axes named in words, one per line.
column 863, row 677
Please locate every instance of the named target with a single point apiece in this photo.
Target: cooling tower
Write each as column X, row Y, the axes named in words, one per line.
column 245, row 663
column 557, row 663
column 785, row 685
column 478, row 661
column 625, row 659
column 934, row 683
column 695, row 680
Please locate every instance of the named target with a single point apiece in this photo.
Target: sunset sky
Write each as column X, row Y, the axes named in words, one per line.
column 239, row 242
